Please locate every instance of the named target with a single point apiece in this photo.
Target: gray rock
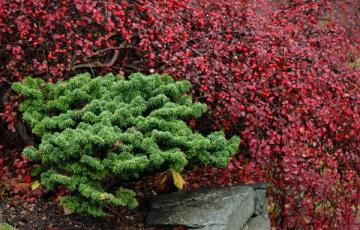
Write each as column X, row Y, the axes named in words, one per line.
column 257, row 223
column 260, row 197
column 260, row 203
column 208, row 209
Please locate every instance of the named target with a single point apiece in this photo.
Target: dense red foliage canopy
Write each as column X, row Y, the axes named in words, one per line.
column 274, row 72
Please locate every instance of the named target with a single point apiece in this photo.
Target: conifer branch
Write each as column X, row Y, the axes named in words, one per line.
column 121, row 130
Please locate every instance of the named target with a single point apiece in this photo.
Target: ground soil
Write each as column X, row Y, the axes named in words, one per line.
column 47, row 215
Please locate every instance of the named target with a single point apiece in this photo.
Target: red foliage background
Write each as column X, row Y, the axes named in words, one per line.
column 274, row 72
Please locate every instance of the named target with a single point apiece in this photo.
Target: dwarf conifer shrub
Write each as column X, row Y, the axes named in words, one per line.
column 93, row 129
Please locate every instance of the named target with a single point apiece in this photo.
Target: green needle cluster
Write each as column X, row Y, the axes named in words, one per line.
column 93, row 129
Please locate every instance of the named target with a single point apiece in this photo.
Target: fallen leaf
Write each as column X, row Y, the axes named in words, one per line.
column 161, row 182
column 179, row 181
column 35, row 185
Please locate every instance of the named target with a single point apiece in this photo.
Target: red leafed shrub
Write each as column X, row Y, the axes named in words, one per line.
column 274, row 72
column 15, row 177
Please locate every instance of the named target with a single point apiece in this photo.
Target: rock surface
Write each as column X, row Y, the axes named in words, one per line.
column 207, row 209
column 257, row 223
column 260, row 203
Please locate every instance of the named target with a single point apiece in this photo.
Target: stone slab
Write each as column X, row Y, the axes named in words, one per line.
column 206, row 209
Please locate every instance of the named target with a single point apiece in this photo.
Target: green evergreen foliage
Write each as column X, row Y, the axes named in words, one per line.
column 93, row 129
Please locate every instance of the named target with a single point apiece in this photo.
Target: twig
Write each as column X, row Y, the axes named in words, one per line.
column 5, row 96
column 114, row 48
column 116, row 213
column 21, row 130
column 98, row 64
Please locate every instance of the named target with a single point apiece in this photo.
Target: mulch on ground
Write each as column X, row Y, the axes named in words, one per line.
column 43, row 214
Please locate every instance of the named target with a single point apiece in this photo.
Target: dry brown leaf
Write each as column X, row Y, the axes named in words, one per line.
column 161, row 182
